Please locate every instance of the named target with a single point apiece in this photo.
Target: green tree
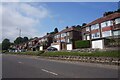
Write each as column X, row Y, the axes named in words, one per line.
column 18, row 40
column 5, row 44
column 25, row 39
column 56, row 30
column 67, row 27
column 84, row 24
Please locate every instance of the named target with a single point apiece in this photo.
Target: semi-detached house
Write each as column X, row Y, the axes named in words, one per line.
column 100, row 29
column 65, row 39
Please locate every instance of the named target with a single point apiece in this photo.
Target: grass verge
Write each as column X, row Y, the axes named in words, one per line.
column 52, row 54
column 94, row 54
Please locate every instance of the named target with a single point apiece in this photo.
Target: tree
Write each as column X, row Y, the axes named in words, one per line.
column 5, row 44
column 84, row 24
column 78, row 27
column 108, row 13
column 67, row 27
column 25, row 39
column 56, row 30
column 18, row 40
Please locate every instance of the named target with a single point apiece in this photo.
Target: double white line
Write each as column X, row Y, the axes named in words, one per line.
column 49, row 72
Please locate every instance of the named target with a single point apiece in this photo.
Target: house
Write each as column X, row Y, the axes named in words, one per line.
column 45, row 41
column 65, row 39
column 33, row 45
column 106, row 27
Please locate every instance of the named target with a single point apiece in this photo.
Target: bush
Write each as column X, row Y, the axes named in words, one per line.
column 4, row 51
column 82, row 44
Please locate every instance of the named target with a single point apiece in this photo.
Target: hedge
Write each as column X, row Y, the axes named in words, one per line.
column 82, row 44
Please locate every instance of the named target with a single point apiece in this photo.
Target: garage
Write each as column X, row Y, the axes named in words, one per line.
column 56, row 46
column 98, row 44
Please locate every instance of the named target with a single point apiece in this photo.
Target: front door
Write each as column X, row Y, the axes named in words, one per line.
column 63, row 46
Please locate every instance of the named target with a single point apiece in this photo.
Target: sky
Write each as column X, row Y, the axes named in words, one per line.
column 35, row 19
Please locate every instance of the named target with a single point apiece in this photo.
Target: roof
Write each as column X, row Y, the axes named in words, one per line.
column 103, row 19
column 46, row 36
column 67, row 30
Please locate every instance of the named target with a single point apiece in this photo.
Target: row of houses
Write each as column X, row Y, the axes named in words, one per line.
column 97, row 32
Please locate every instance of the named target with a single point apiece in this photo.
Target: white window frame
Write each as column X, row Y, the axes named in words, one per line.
column 107, row 33
column 116, row 33
column 117, row 20
column 87, row 28
column 96, row 26
column 106, row 23
column 94, row 35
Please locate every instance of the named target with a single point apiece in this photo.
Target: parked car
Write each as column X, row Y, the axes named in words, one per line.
column 52, row 49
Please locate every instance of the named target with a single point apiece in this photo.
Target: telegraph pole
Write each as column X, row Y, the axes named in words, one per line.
column 19, row 32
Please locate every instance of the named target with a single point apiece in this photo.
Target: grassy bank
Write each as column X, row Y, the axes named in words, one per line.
column 34, row 53
column 94, row 54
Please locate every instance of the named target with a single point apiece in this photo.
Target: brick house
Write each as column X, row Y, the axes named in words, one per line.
column 45, row 41
column 100, row 29
column 65, row 39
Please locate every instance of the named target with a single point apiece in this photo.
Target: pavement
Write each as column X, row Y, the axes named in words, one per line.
column 16, row 66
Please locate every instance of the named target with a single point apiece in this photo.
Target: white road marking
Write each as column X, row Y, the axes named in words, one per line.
column 49, row 72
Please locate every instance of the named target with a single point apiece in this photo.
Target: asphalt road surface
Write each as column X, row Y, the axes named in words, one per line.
column 16, row 66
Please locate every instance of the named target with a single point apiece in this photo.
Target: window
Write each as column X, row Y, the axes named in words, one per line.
column 87, row 28
column 96, row 35
column 84, row 37
column 106, row 33
column 68, row 33
column 63, row 40
column 68, row 40
column 63, row 35
column 96, row 26
column 58, row 40
column 117, row 21
column 116, row 33
column 57, row 36
column 107, row 23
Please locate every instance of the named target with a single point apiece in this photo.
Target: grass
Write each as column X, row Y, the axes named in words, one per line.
column 34, row 53
column 94, row 54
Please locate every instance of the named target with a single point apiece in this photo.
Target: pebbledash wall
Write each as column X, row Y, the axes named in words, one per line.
column 100, row 29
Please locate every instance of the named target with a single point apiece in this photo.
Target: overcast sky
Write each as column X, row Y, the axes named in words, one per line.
column 35, row 19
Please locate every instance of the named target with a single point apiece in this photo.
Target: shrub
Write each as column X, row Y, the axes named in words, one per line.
column 82, row 44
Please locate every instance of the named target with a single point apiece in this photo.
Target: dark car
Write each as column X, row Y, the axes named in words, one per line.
column 52, row 49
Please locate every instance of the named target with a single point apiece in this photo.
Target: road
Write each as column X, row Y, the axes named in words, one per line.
column 16, row 66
